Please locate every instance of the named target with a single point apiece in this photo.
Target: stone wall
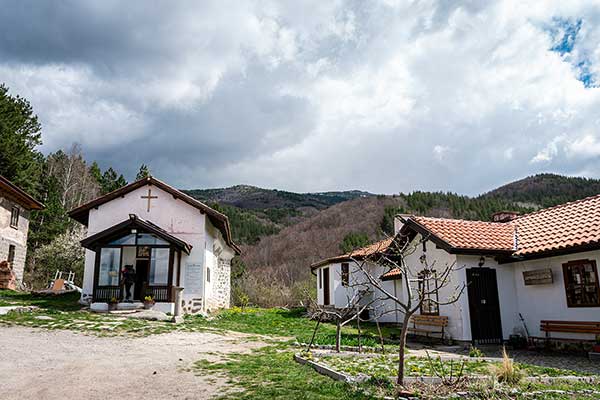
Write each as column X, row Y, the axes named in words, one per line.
column 221, row 286
column 13, row 236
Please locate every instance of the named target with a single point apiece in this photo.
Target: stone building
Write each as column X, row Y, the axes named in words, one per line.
column 15, row 208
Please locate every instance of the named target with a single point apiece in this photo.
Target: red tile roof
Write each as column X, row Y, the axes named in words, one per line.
column 568, row 227
column 392, row 274
column 358, row 254
column 463, row 234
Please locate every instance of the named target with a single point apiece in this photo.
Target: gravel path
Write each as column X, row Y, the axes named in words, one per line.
column 43, row 364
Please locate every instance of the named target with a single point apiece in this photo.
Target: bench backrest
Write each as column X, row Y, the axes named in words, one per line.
column 570, row 326
column 431, row 320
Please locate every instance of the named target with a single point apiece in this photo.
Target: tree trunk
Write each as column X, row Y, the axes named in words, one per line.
column 338, row 336
column 402, row 346
column 380, row 336
column 312, row 339
column 359, row 337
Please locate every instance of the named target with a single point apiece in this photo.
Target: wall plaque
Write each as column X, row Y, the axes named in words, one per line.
column 538, row 277
column 193, row 279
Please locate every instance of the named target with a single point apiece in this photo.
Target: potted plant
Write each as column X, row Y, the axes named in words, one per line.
column 148, row 302
column 112, row 304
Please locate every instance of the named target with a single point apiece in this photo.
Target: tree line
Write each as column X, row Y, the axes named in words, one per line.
column 62, row 180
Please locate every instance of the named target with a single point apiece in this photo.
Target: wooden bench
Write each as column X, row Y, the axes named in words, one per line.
column 434, row 321
column 569, row 327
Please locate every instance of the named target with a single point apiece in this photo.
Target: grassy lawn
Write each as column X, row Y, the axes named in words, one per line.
column 386, row 366
column 66, row 302
column 289, row 323
column 271, row 373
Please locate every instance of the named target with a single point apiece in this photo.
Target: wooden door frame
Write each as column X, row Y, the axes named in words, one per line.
column 326, row 287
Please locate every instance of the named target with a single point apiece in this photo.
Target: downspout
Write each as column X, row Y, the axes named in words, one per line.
column 396, row 296
column 204, row 275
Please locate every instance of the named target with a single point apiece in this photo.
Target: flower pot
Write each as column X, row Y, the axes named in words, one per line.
column 148, row 305
column 112, row 306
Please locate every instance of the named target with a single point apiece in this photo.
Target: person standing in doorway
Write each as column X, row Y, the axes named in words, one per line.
column 128, row 279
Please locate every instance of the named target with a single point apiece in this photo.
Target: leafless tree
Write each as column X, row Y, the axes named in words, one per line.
column 421, row 280
column 341, row 316
column 76, row 184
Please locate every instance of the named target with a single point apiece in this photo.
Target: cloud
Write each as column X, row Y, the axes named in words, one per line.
column 384, row 96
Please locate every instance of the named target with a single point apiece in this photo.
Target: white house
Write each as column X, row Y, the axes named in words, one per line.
column 519, row 272
column 169, row 238
column 15, row 207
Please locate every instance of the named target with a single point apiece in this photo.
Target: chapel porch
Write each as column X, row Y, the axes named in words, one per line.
column 135, row 259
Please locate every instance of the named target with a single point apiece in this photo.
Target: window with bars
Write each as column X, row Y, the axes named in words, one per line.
column 11, row 255
column 581, row 283
column 429, row 292
column 14, row 217
column 345, row 274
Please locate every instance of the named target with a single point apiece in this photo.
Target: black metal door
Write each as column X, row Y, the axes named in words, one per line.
column 326, row 299
column 484, row 306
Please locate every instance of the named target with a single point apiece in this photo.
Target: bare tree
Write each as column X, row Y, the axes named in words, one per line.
column 354, row 307
column 76, row 184
column 422, row 281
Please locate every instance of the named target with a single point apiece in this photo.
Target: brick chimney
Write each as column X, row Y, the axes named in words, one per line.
column 504, row 216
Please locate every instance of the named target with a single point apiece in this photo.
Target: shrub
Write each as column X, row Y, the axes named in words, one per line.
column 475, row 352
column 507, row 372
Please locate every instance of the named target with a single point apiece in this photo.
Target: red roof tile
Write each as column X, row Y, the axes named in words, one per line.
column 567, row 226
column 465, row 234
column 392, row 274
column 377, row 247
column 564, row 226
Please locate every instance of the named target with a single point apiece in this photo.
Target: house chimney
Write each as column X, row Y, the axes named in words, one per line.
column 504, row 216
column 399, row 221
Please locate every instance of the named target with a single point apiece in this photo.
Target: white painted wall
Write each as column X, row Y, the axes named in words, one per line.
column 178, row 219
column 506, row 295
column 549, row 302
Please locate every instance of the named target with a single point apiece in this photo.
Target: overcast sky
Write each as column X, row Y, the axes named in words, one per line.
column 384, row 96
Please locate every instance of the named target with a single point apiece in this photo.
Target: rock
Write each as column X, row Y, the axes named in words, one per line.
column 150, row 315
column 17, row 309
column 44, row 318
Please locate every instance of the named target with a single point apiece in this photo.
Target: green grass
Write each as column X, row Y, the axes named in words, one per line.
column 67, row 302
column 271, row 373
column 289, row 323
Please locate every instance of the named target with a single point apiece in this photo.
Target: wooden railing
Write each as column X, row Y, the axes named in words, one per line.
column 159, row 293
column 106, row 293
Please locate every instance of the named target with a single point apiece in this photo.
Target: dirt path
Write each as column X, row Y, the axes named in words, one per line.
column 42, row 364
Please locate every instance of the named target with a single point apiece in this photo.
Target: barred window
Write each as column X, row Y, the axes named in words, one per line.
column 429, row 292
column 581, row 283
column 345, row 274
column 14, row 217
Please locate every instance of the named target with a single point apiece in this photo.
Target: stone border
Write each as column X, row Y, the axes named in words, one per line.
column 433, row 380
column 327, row 371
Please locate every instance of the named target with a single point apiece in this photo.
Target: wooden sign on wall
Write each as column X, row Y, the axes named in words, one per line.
column 538, row 277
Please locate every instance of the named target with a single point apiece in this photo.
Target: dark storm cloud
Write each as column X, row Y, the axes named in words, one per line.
column 383, row 96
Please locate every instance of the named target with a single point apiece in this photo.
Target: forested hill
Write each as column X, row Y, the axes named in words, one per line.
column 255, row 198
column 278, row 251
column 546, row 190
column 256, row 212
